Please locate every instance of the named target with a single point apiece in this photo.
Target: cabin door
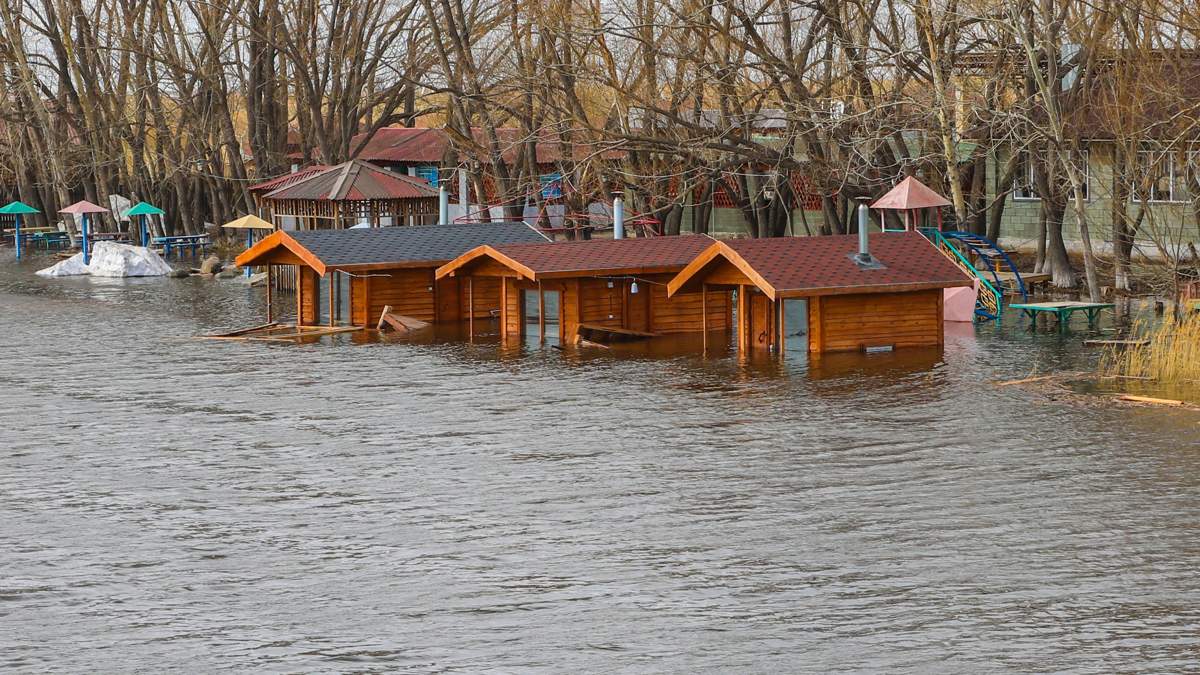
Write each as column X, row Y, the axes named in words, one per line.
column 542, row 311
column 637, row 306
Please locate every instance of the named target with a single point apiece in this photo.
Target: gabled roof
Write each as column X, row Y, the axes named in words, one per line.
column 657, row 255
column 82, row 207
column 811, row 266
column 909, row 194
column 354, row 181
column 288, row 178
column 383, row 247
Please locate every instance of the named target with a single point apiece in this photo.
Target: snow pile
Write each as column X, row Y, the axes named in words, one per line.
column 71, row 267
column 110, row 259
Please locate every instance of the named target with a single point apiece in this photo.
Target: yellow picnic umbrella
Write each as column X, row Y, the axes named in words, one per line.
column 250, row 222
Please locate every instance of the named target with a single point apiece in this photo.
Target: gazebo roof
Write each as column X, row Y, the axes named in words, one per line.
column 82, row 207
column 17, row 208
column 249, row 222
column 355, row 180
column 144, row 209
column 287, row 179
column 910, row 194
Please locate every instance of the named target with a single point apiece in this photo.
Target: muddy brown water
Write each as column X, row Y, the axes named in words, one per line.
column 349, row 505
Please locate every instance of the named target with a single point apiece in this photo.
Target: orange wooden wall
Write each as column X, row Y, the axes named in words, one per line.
column 591, row 300
column 851, row 322
column 414, row 292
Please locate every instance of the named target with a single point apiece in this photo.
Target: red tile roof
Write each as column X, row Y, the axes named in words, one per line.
column 910, row 193
column 287, row 178
column 803, row 266
column 352, row 181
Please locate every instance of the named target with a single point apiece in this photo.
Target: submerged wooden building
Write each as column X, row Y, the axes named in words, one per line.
column 367, row 269
column 598, row 289
column 893, row 302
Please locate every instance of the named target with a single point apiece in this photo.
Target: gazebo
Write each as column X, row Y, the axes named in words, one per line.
column 16, row 210
column 355, row 193
column 915, row 199
column 145, row 211
column 83, row 209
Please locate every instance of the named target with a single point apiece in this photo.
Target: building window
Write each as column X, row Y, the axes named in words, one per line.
column 428, row 173
column 1160, row 179
column 1025, row 184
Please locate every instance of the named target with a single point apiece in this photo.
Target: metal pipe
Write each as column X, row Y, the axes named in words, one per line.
column 864, row 222
column 618, row 216
column 443, row 204
column 17, row 235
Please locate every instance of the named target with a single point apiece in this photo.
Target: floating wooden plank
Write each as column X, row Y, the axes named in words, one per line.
column 607, row 335
column 305, row 333
column 243, row 331
column 1149, row 399
column 1116, row 343
column 1024, row 380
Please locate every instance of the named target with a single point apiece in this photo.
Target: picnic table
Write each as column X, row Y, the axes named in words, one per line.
column 193, row 242
column 1063, row 310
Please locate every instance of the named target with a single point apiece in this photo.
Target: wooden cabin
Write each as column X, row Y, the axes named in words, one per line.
column 603, row 290
column 349, row 276
column 894, row 303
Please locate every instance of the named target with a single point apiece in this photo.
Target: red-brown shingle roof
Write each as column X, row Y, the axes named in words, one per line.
column 657, row 255
column 804, row 266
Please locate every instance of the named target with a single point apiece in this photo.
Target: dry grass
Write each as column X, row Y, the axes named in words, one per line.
column 1171, row 357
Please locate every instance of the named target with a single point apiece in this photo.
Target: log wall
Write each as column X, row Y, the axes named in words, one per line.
column 853, row 322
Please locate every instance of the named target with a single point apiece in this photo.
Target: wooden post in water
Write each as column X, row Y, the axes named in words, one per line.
column 782, row 327
column 270, row 283
column 541, row 314
column 704, row 319
column 332, row 304
column 470, row 308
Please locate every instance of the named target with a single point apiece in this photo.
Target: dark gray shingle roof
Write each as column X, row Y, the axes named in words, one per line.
column 405, row 245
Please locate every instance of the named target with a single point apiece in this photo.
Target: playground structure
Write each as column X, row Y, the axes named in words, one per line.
column 981, row 258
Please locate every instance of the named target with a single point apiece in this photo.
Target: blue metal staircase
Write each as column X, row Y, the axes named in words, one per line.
column 992, row 257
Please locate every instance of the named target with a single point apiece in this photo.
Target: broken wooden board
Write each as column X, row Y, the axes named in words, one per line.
column 399, row 322
column 243, row 331
column 605, row 335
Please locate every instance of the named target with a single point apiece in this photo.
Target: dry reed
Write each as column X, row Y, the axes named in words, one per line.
column 1171, row 357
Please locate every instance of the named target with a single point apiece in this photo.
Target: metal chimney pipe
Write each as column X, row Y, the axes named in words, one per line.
column 864, row 224
column 618, row 216
column 443, row 204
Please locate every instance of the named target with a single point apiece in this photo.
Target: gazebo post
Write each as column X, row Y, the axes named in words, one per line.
column 87, row 253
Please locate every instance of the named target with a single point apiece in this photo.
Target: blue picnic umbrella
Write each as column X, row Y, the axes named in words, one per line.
column 16, row 210
column 84, row 208
column 145, row 211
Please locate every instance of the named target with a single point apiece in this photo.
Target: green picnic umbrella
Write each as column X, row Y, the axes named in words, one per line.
column 16, row 210
column 145, row 211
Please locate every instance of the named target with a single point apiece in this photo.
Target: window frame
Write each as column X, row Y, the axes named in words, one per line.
column 1031, row 180
column 1173, row 186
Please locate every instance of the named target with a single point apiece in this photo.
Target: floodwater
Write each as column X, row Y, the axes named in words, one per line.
column 171, row 504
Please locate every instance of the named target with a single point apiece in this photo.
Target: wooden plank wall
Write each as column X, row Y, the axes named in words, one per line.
column 406, row 290
column 514, row 309
column 448, row 296
column 358, row 302
column 684, row 313
column 486, row 291
column 307, row 297
column 852, row 322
